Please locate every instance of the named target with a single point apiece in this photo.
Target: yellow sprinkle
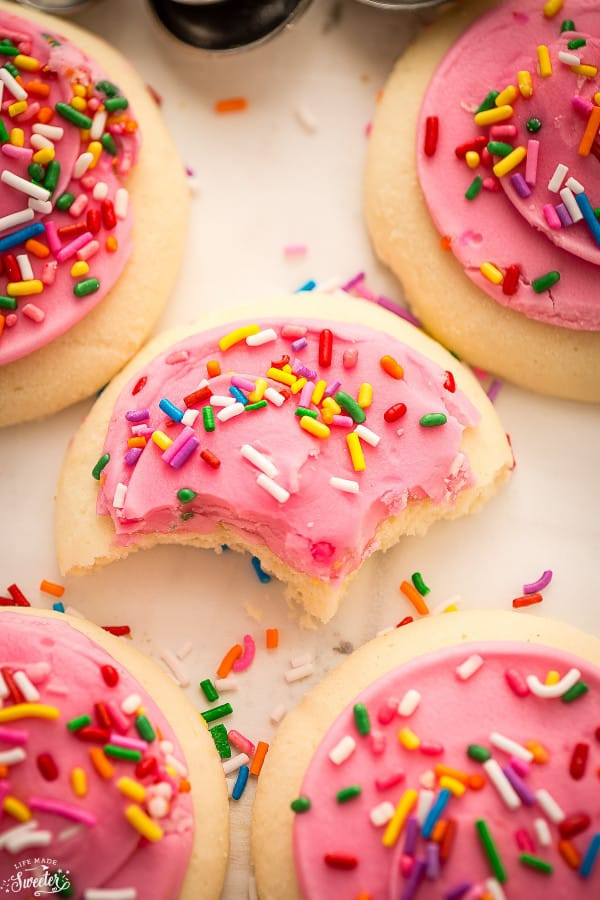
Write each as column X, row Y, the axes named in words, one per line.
column 102, row 765
column 453, row 785
column 95, row 148
column 281, row 376
column 551, row 7
column 356, row 454
column 261, row 384
column 451, row 608
column 510, row 162
column 28, row 711
column 319, row 390
column 409, row 739
column 79, row 103
column 472, row 159
column 17, row 137
column 496, row 114
column 327, row 415
column 297, row 386
column 240, row 334
column 331, row 404
column 79, row 782
column 161, row 439
column 509, row 94
column 79, row 268
column 44, row 156
column 489, row 271
column 404, row 808
column 552, row 677
column 365, row 395
column 544, row 63
column 132, row 789
column 540, row 754
column 313, row 426
column 585, row 70
column 78, row 89
column 15, row 109
column 287, row 368
column 16, row 809
column 111, row 244
column 597, row 98
column 525, row 83
column 27, row 63
column 142, row 823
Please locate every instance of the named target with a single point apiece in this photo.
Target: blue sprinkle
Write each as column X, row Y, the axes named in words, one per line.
column 263, row 576
column 587, row 212
column 435, row 812
column 240, row 782
column 309, row 285
column 590, row 855
column 20, row 236
column 224, row 547
column 239, row 395
column 171, row 410
column 58, row 607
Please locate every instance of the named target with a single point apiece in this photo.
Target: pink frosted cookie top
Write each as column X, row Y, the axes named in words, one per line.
column 74, row 704
column 527, row 222
column 67, row 141
column 466, row 737
column 253, row 464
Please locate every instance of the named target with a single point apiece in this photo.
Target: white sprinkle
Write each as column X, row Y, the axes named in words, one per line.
column 233, row 764
column 53, row 132
column 469, row 667
column 274, row 397
column 222, row 400
column 344, row 484
column 306, row 118
column 163, row 789
column 552, row 691
column 342, row 750
column 72, row 611
column 29, row 839
column 176, row 764
column 230, row 782
column 303, row 660
column 13, row 85
column 278, row 714
column 230, row 412
column 331, row 285
column 16, row 218
column 502, row 784
column 121, row 203
column 542, row 832
column 100, row 191
column 382, row 813
column 568, row 198
column 569, row 59
column 68, row 833
column 185, row 650
column 110, row 894
column 190, row 416
column 274, row 489
column 28, row 690
column 549, row 806
column 131, row 704
column 510, row 746
column 367, row 435
column 494, row 888
column 574, row 185
column 263, row 337
column 21, row 184
column 299, row 673
column 98, row 123
column 39, row 142
column 252, row 890
column 409, row 703
column 166, row 747
column 25, row 267
column 385, row 631
column 424, row 804
column 7, row 836
column 42, row 206
column 558, row 178
column 169, row 658
column 12, row 757
column 158, row 807
column 259, row 460
column 226, row 684
column 82, row 164
column 120, row 494
column 427, row 779
column 454, row 600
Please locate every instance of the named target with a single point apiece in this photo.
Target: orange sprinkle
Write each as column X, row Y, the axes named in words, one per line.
column 259, row 758
column 441, row 769
column 540, row 754
column 363, row 896
column 184, row 786
column 213, row 368
column 45, row 115
column 37, row 88
column 228, row 660
column 272, row 635
column 448, row 840
column 112, row 244
column 591, row 130
column 3, row 771
column 412, row 594
column 570, row 854
column 136, row 441
column 391, row 367
column 379, row 95
column 231, row 104
column 101, row 763
column 445, row 242
column 37, row 248
column 57, row 590
column 476, row 782
column 439, row 830
column 2, row 321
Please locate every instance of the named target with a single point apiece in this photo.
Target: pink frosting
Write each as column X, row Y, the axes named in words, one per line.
column 500, row 226
column 57, row 308
column 319, row 530
column 453, row 714
column 65, row 666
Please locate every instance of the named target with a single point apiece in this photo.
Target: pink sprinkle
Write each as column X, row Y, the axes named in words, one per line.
column 17, row 152
column 52, row 237
column 431, row 748
column 28, row 114
column 33, row 312
column 343, row 421
column 582, row 106
column 360, row 276
column 533, row 150
column 78, row 206
column 37, row 672
column 183, row 437
column 542, row 582
column 551, row 217
column 377, row 742
column 361, row 291
column 89, row 250
column 88, row 181
column 10, row 320
column 13, row 736
column 93, row 103
column 516, row 682
column 295, row 250
column 119, row 719
column 407, row 864
column 293, row 332
column 71, row 249
column 306, row 394
column 243, row 383
column 177, row 357
column 503, row 132
column 131, row 743
column 241, row 742
column 4, row 790
column 44, row 804
column 350, row 358
column 368, row 129
column 524, row 841
column 390, row 780
column 520, row 766
column 491, row 184
column 142, row 431
column 386, row 713
column 247, row 656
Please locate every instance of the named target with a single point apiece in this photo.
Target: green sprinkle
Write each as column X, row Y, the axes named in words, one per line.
column 12, row 69
column 108, row 88
column 65, row 201
column 499, row 148
column 36, row 172
column 597, row 212
column 108, row 143
column 478, row 753
column 4, row 135
column 122, row 752
column 567, row 25
column 144, row 728
column 350, row 405
column 8, row 302
column 576, row 43
column 348, row 793
column 490, row 850
column 63, row 884
column 103, row 461
column 209, row 690
column 300, row 804
column 417, row 580
column 474, row 188
column 7, row 48
column 217, row 712
column 208, row 417
column 545, row 282
column 430, row 420
column 85, row 287
column 534, row 862
column 115, row 103
column 186, row 495
column 219, row 736
column 488, row 102
column 73, row 115
column 184, row 516
column 52, row 175
column 303, row 411
column 79, row 722
column 361, row 718
column 533, row 125
column 578, row 690
column 260, row 404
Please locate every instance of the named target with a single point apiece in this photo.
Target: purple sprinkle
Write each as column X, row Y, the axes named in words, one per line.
column 494, row 389
column 137, row 415
column 132, row 456
column 458, row 891
column 520, row 185
column 186, row 451
column 303, row 371
column 142, row 431
column 432, row 853
column 414, row 880
column 362, row 291
column 353, row 281
column 306, row 394
column 332, row 388
column 581, row 105
column 563, row 215
column 539, row 585
column 524, row 792
column 411, row 835
column 398, row 311
column 182, row 438
column 300, row 344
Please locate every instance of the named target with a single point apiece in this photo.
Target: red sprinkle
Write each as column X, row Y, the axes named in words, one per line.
column 72, row 231
column 109, row 219
column 15, row 693
column 405, row 621
column 17, row 595
column 395, row 412
column 340, row 861
column 450, row 383
column 198, row 396
column 477, row 144
column 280, row 363
column 432, row 126
column 110, row 675
column 140, row 383
column 13, row 272
column 579, row 759
column 93, row 221
column 103, row 716
column 527, row 600
column 325, row 348
column 89, row 734
column 448, row 840
column 146, row 767
column 516, row 682
column 7, row 601
column 511, row 280
column 47, row 767
column 574, row 824
column 119, row 630
column 209, row 457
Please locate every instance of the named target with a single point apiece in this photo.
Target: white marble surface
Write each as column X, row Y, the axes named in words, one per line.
column 264, row 182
